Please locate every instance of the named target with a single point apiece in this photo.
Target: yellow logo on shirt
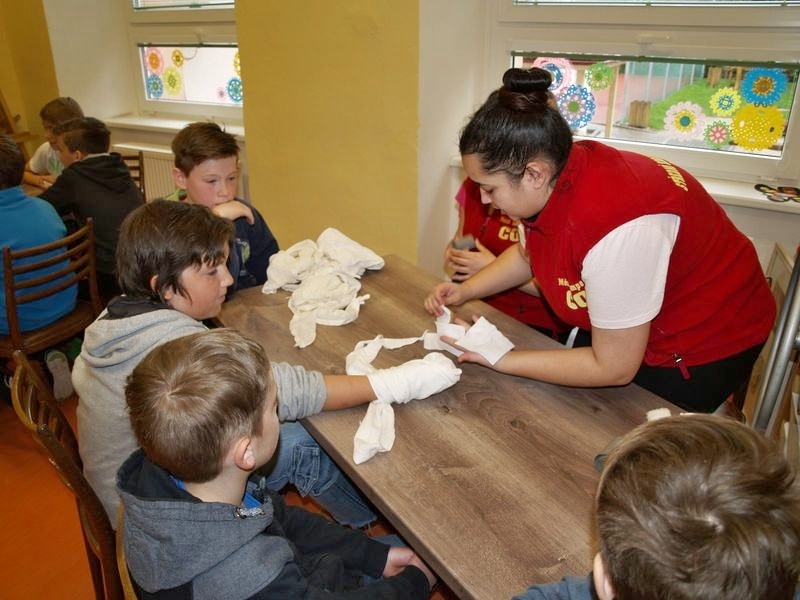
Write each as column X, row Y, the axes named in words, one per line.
column 672, row 173
column 575, row 293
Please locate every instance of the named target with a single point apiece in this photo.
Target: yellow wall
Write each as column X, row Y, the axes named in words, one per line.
column 27, row 74
column 331, row 118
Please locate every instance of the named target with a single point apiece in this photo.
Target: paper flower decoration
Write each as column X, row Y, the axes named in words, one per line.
column 561, row 70
column 763, row 87
column 237, row 64
column 222, row 93
column 234, row 88
column 577, row 106
column 717, row 134
column 599, row 76
column 757, row 127
column 178, row 58
column 725, row 102
column 155, row 63
column 155, row 87
column 685, row 120
column 173, row 82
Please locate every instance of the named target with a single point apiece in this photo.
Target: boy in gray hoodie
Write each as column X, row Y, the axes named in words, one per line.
column 171, row 260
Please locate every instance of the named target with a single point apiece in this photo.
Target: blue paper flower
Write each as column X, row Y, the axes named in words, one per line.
column 235, row 90
column 577, row 106
column 155, row 87
column 763, row 87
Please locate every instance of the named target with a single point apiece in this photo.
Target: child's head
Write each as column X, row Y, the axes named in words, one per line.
column 78, row 138
column 175, row 253
column 202, row 401
column 206, row 164
column 697, row 507
column 56, row 112
column 12, row 163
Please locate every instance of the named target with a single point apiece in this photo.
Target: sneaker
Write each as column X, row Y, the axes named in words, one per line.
column 58, row 365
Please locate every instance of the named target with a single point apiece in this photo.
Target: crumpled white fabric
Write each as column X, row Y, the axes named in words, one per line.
column 482, row 337
column 323, row 278
column 412, row 380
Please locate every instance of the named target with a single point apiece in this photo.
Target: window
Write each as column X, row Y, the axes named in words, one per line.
column 188, row 59
column 712, row 89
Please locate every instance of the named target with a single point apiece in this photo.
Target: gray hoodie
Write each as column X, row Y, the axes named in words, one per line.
column 112, row 347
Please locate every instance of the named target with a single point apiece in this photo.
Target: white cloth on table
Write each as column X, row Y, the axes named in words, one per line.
column 413, row 380
column 323, row 278
column 482, row 337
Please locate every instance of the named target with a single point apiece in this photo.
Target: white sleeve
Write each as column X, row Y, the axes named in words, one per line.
column 38, row 162
column 626, row 271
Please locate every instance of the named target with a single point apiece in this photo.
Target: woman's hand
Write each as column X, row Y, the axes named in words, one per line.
column 465, row 263
column 470, row 355
column 442, row 295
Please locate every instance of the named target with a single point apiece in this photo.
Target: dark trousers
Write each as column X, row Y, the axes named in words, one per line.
column 709, row 385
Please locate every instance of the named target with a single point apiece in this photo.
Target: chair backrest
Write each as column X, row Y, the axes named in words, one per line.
column 35, row 405
column 38, row 410
column 135, row 163
column 42, row 271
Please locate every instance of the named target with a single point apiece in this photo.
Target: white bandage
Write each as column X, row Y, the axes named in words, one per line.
column 415, row 379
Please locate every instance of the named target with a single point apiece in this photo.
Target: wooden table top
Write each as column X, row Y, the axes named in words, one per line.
column 491, row 481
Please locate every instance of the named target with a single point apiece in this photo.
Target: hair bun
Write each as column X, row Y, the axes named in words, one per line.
column 525, row 90
column 526, row 81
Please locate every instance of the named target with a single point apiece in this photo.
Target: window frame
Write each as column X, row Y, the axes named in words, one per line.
column 209, row 25
column 720, row 32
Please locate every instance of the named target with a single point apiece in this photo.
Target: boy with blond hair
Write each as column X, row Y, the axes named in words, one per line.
column 692, row 507
column 198, row 524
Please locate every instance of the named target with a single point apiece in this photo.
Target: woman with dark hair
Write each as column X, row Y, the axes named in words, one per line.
column 628, row 246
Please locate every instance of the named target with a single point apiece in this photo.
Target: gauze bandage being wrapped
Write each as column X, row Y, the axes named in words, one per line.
column 412, row 380
column 415, row 379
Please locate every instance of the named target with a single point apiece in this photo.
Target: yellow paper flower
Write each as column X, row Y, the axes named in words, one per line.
column 173, row 82
column 177, row 58
column 757, row 127
column 725, row 102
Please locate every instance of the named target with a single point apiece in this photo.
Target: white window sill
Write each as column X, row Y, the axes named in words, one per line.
column 162, row 125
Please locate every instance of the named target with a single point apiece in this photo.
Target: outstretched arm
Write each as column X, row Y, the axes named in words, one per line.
column 345, row 391
column 613, row 359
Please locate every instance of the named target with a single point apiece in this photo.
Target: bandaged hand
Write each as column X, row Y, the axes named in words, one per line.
column 415, row 379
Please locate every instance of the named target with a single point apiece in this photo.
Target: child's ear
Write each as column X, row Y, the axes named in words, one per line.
column 179, row 178
column 243, row 455
column 602, row 582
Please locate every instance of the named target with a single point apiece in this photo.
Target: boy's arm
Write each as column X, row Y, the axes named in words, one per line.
column 345, row 391
column 61, row 195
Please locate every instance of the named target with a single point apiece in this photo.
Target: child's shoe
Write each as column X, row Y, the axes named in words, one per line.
column 58, row 365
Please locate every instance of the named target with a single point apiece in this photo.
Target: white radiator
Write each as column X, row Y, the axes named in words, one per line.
column 158, row 163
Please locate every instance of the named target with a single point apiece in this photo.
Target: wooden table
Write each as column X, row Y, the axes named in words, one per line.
column 491, row 481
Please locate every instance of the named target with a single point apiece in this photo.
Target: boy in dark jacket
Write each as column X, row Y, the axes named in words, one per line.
column 197, row 525
column 94, row 183
column 207, row 172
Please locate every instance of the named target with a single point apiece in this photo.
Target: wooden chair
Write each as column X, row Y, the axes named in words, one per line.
column 39, row 412
column 26, row 279
column 135, row 163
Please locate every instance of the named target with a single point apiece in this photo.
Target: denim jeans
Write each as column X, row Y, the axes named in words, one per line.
column 300, row 461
